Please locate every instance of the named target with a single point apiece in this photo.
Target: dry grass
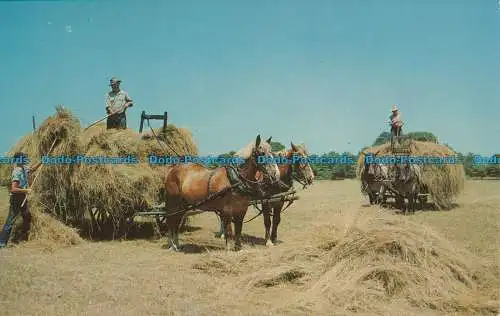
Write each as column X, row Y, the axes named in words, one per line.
column 338, row 256
column 47, row 233
column 443, row 182
column 69, row 191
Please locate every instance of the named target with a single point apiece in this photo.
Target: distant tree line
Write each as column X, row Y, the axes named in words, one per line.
column 348, row 171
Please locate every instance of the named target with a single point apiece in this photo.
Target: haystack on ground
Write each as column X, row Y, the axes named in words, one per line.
column 375, row 264
column 443, row 182
column 46, row 231
column 116, row 191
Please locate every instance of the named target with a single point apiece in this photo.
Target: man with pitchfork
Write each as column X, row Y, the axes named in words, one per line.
column 19, row 188
column 117, row 102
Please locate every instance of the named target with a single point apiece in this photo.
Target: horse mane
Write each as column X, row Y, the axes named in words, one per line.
column 303, row 147
column 246, row 151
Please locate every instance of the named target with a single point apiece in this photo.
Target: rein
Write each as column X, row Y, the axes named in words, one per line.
column 242, row 185
column 290, row 202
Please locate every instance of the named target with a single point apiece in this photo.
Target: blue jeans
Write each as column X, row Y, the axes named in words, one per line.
column 14, row 210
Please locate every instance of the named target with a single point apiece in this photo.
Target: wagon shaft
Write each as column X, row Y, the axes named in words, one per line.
column 274, row 200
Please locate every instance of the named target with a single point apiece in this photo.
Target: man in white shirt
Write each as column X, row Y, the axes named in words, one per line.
column 117, row 101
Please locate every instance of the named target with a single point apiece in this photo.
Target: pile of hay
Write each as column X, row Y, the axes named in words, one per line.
column 175, row 141
column 46, row 231
column 70, row 191
column 443, row 182
column 380, row 265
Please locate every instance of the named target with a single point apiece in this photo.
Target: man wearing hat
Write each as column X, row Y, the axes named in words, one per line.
column 19, row 188
column 396, row 122
column 117, row 102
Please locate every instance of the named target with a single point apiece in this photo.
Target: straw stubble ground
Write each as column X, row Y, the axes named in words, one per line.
column 325, row 265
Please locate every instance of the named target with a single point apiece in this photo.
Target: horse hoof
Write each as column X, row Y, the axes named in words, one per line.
column 269, row 243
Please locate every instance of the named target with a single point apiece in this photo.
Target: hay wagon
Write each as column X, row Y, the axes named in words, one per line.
column 161, row 215
column 400, row 145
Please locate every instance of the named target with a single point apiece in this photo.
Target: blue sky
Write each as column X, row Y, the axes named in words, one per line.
column 321, row 72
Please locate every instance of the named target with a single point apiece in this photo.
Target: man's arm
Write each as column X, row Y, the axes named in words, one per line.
column 129, row 102
column 106, row 104
column 16, row 189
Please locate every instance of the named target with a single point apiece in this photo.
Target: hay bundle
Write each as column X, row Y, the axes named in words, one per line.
column 116, row 191
column 64, row 128
column 49, row 233
column 53, row 187
column 443, row 182
column 175, row 141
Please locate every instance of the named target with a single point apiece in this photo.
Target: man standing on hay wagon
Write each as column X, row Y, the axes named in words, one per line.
column 396, row 125
column 117, row 102
column 396, row 122
column 18, row 190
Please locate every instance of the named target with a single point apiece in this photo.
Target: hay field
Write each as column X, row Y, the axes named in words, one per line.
column 338, row 256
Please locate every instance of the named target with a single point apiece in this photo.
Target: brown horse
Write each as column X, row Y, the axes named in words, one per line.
column 192, row 186
column 295, row 167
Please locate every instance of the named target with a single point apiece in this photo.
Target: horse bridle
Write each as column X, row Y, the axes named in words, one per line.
column 296, row 169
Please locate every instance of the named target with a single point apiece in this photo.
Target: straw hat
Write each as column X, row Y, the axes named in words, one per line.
column 394, row 108
column 114, row 80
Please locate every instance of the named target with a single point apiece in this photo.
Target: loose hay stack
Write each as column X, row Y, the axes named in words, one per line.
column 175, row 141
column 376, row 264
column 443, row 182
column 116, row 191
column 53, row 187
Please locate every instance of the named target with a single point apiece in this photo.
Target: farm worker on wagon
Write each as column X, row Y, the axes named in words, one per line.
column 117, row 102
column 18, row 190
column 396, row 122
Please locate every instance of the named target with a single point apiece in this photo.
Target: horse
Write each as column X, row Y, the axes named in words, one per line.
column 407, row 184
column 372, row 179
column 297, row 168
column 225, row 190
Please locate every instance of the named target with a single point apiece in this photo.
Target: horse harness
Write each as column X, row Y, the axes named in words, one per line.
column 238, row 184
column 287, row 185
